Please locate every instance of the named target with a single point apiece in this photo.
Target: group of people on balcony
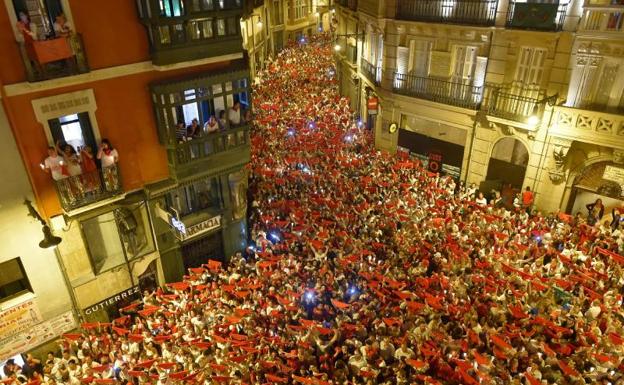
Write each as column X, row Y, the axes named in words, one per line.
column 76, row 172
column 235, row 116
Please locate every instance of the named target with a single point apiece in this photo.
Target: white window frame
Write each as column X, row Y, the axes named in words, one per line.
column 56, row 106
column 530, row 67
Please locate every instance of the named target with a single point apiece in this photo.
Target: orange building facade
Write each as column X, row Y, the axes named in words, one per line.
column 137, row 74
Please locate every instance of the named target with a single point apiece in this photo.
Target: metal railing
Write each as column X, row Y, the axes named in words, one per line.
column 437, row 90
column 537, row 16
column 88, row 187
column 372, row 73
column 473, row 12
column 205, row 146
column 351, row 51
column 515, row 102
column 54, row 58
column 603, row 18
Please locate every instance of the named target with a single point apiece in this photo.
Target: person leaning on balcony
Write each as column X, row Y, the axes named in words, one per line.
column 234, row 114
column 61, row 27
column 70, row 157
column 29, row 33
column 211, row 125
column 107, row 154
column 180, row 131
column 193, row 130
column 53, row 164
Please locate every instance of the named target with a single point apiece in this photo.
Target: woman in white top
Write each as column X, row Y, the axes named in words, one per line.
column 109, row 157
column 107, row 154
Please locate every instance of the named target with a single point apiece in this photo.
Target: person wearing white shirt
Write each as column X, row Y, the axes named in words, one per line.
column 234, row 115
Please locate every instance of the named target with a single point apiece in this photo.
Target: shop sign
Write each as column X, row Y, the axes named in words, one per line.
column 435, row 161
column 113, row 300
column 200, row 228
column 614, row 174
column 37, row 335
column 372, row 105
column 18, row 318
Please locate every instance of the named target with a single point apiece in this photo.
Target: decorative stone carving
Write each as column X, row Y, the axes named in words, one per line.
column 556, row 176
column 618, row 156
column 559, row 153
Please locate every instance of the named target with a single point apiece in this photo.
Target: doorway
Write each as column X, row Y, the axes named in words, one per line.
column 196, row 253
column 508, row 163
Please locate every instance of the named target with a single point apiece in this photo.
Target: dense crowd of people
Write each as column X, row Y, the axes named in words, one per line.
column 365, row 269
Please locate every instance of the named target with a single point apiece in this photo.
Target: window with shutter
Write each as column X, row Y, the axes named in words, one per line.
column 13, row 279
column 419, row 57
column 530, row 67
column 464, row 60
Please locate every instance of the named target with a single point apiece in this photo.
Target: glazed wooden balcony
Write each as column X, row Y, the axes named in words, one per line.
column 437, row 90
column 471, row 12
column 606, row 18
column 597, row 127
column 88, row 188
column 197, row 30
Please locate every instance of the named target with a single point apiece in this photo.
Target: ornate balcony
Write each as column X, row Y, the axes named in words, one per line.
column 371, row 72
column 515, row 102
column 184, row 30
column 54, row 58
column 588, row 126
column 537, row 16
column 437, row 90
column 472, row 12
column 609, row 18
column 90, row 187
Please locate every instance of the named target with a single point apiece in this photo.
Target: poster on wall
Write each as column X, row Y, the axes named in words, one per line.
column 37, row 335
column 436, row 155
column 18, row 318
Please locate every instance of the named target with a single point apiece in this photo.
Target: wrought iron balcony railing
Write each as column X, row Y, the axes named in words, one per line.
column 472, row 12
column 88, row 187
column 537, row 16
column 437, row 90
column 372, row 73
column 54, row 58
column 515, row 102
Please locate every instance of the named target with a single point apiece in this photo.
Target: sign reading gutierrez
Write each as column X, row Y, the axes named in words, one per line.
column 200, row 228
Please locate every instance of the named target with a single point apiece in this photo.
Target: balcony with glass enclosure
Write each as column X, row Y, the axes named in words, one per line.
column 183, row 30
column 204, row 122
column 471, row 12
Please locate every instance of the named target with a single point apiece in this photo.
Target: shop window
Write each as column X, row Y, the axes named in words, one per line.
column 13, row 279
column 118, row 236
column 203, row 195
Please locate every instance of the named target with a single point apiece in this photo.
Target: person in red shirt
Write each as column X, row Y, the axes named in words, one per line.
column 527, row 199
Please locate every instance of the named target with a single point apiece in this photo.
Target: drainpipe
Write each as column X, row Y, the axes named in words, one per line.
column 68, row 285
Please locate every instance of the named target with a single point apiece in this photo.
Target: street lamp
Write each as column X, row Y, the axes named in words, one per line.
column 534, row 119
column 337, row 47
column 49, row 240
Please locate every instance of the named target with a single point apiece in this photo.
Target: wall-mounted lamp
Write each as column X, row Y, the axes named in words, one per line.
column 49, row 240
column 534, row 119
